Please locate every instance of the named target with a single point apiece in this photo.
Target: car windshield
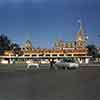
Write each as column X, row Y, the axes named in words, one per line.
column 69, row 60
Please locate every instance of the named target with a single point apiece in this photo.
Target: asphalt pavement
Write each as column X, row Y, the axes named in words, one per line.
column 46, row 84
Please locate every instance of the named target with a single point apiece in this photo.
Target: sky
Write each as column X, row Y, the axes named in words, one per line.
column 45, row 21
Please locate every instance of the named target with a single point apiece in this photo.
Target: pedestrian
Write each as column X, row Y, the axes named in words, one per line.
column 51, row 64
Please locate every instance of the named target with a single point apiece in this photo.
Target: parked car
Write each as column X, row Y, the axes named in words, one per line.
column 33, row 65
column 67, row 63
column 3, row 61
column 44, row 61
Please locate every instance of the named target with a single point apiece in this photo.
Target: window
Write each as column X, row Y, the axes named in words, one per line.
column 69, row 55
column 33, row 55
column 41, row 55
column 61, row 55
column 47, row 54
column 54, row 55
column 27, row 55
column 69, row 60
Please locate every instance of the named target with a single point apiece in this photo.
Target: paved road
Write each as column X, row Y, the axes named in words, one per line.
column 50, row 85
column 10, row 67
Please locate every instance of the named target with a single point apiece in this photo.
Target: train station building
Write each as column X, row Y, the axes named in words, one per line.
column 76, row 48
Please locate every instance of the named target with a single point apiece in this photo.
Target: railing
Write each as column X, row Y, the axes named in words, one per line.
column 48, row 51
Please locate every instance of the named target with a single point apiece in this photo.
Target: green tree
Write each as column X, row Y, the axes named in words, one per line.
column 4, row 42
column 92, row 51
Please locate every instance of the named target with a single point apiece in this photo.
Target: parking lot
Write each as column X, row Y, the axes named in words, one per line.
column 14, row 67
column 44, row 84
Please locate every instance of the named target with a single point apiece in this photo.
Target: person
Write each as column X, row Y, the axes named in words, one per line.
column 13, row 61
column 51, row 64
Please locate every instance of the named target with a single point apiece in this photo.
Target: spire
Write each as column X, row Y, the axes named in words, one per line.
column 81, row 30
column 81, row 40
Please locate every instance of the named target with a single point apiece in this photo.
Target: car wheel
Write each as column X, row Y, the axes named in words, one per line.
column 56, row 68
column 74, row 68
column 66, row 68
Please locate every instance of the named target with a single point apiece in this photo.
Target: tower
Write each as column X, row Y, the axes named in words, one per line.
column 27, row 46
column 28, row 43
column 81, row 41
column 59, row 44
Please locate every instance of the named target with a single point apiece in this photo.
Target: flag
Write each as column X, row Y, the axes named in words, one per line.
column 79, row 21
column 86, row 37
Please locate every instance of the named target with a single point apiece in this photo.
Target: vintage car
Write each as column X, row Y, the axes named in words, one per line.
column 33, row 65
column 67, row 63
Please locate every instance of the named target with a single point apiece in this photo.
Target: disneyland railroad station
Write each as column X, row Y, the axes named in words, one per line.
column 62, row 49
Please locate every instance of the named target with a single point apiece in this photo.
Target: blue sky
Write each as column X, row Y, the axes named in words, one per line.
column 45, row 21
